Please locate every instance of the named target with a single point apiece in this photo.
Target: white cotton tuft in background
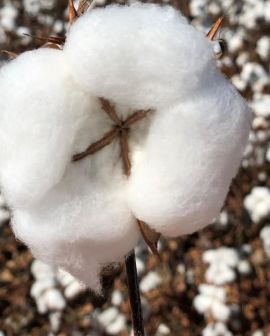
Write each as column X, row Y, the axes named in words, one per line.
column 257, row 203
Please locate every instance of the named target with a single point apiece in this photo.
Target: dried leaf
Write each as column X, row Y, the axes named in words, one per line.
column 213, row 31
column 72, row 13
column 51, row 46
column 84, row 5
column 51, row 39
column 150, row 237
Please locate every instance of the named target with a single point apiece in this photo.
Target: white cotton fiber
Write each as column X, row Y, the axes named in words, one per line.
column 141, row 55
column 80, row 226
column 39, row 117
column 180, row 180
column 72, row 214
column 145, row 56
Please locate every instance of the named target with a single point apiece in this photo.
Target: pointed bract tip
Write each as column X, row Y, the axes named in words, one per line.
column 72, row 13
column 213, row 31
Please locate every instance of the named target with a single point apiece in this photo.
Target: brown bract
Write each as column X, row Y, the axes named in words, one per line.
column 214, row 30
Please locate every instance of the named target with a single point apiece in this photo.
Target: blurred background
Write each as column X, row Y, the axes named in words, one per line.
column 213, row 283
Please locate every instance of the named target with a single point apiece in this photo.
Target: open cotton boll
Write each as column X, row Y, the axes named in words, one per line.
column 181, row 178
column 41, row 110
column 142, row 55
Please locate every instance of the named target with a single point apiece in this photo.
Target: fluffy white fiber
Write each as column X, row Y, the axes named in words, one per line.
column 72, row 215
column 143, row 55
column 81, row 216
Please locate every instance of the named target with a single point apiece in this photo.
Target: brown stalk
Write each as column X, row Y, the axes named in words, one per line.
column 213, row 31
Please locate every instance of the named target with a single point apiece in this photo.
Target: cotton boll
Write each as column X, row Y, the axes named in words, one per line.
column 40, row 286
column 112, row 320
column 41, row 110
column 220, row 274
column 223, row 255
column 180, row 180
column 220, row 311
column 140, row 55
column 212, row 300
column 151, row 281
column 41, row 271
column 53, row 300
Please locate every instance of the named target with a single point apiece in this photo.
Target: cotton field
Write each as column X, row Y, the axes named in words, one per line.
column 214, row 282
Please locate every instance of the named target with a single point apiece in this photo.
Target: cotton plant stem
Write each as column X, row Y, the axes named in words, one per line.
column 134, row 295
